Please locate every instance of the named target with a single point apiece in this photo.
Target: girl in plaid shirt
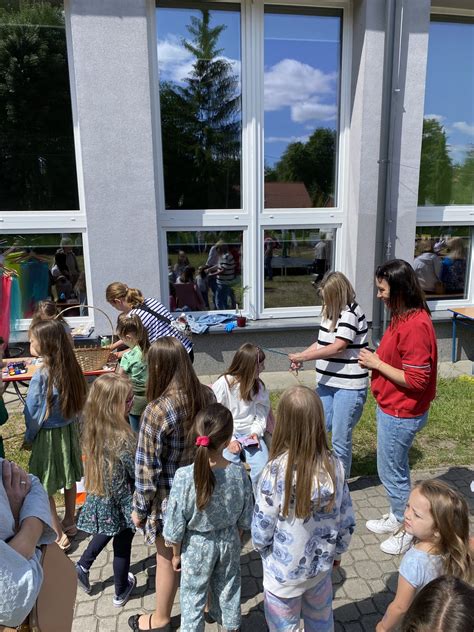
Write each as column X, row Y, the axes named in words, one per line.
column 176, row 396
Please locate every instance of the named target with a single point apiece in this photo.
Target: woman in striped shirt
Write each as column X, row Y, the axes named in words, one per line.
column 342, row 383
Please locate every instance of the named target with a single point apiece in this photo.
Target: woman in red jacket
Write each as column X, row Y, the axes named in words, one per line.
column 403, row 384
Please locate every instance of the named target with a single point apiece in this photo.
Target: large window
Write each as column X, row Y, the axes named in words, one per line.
column 250, row 111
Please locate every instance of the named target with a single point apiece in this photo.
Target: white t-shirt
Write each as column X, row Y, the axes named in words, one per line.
column 249, row 417
column 343, row 370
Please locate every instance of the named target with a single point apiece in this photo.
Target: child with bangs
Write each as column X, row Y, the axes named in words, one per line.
column 303, row 518
column 109, row 443
column 241, row 390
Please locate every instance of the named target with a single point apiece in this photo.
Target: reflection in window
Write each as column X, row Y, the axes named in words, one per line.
column 43, row 267
column 205, row 270
column 294, row 262
column 442, row 260
column 37, row 162
column 447, row 153
column 302, row 69
column 199, row 66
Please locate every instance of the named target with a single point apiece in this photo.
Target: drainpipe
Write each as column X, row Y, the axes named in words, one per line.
column 383, row 234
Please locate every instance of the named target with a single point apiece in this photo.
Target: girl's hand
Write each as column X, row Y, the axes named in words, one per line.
column 369, row 359
column 176, row 563
column 138, row 522
column 17, row 484
column 234, row 447
column 255, row 438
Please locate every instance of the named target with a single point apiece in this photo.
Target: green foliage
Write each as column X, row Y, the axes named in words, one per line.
column 463, row 180
column 436, row 169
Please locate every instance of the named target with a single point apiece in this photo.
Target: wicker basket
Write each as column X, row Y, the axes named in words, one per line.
column 91, row 358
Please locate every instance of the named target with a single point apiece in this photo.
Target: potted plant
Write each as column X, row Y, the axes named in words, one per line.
column 241, row 320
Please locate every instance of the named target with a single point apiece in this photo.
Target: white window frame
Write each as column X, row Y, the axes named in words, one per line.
column 255, row 219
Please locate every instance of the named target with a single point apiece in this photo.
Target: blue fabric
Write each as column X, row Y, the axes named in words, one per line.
column 419, row 567
column 134, row 421
column 342, row 410
column 395, row 436
column 256, row 457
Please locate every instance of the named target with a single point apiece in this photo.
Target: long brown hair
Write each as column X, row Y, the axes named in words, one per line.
column 244, row 370
column 337, row 292
column 450, row 515
column 106, row 432
column 406, row 295
column 216, row 423
column 169, row 368
column 47, row 310
column 120, row 291
column 63, row 370
column 300, row 432
column 130, row 324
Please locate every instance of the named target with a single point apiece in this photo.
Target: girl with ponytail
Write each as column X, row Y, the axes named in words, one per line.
column 210, row 504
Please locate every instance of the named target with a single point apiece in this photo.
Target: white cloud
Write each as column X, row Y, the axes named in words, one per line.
column 437, row 117
column 287, row 139
column 312, row 110
column 464, row 127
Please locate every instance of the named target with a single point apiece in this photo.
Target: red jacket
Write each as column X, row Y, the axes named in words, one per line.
column 408, row 344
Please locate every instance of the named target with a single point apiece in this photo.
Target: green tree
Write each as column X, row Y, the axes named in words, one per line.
column 463, row 180
column 436, row 169
column 201, row 126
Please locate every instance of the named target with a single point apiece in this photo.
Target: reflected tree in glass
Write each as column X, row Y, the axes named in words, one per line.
column 435, row 167
column 201, row 128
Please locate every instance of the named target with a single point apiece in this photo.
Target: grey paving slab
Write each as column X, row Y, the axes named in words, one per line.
column 363, row 585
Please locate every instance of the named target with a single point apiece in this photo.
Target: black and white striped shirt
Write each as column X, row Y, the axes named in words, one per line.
column 343, row 370
column 158, row 328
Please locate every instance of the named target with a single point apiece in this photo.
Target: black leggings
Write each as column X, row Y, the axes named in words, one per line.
column 122, row 550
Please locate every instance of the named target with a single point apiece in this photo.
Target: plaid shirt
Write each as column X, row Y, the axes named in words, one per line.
column 162, row 448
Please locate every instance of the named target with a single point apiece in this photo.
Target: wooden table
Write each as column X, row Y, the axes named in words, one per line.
column 463, row 316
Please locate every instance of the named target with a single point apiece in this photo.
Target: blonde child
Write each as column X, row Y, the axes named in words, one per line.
column 241, row 390
column 133, row 362
column 210, row 502
column 55, row 398
column 303, row 518
column 109, row 444
column 437, row 518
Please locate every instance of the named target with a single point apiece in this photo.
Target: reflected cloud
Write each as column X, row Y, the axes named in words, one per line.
column 464, row 127
column 287, row 139
column 437, row 117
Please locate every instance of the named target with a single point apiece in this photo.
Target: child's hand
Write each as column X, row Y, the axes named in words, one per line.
column 176, row 563
column 234, row 447
column 137, row 521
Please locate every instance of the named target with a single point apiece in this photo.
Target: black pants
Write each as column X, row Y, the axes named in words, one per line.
column 122, row 550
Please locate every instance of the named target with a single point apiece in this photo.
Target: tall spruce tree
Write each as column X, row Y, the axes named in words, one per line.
column 436, row 169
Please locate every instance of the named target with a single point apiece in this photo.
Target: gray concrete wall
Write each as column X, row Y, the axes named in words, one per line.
column 110, row 73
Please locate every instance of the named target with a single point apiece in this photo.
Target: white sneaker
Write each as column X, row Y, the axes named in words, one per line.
column 387, row 524
column 397, row 543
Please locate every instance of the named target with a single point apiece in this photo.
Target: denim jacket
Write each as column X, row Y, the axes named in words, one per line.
column 36, row 404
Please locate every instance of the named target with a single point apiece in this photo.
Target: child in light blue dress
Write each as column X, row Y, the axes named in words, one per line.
column 209, row 506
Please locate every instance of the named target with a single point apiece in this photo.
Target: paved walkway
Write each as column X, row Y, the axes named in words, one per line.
column 363, row 585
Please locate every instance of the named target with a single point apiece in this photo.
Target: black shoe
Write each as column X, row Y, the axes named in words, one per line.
column 133, row 623
column 83, row 579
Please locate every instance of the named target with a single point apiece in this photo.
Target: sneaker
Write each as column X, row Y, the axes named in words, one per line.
column 83, row 579
column 121, row 600
column 397, row 543
column 387, row 524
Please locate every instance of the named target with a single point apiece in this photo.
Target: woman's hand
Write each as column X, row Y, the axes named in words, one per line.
column 17, row 484
column 296, row 363
column 137, row 521
column 234, row 447
column 369, row 359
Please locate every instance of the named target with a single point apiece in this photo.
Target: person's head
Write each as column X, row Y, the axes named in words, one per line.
column 221, row 248
column 187, row 275
column 455, row 247
column 131, row 331
column 122, row 297
column 399, row 288
column 106, row 430
column 46, row 310
column 438, row 514
column 49, row 339
column 300, row 431
column 337, row 292
column 446, row 603
column 61, row 261
column 66, row 244
column 183, row 258
column 246, row 366
column 202, row 272
column 425, row 245
column 211, row 432
column 170, row 371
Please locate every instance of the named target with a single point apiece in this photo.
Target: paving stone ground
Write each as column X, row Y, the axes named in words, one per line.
column 363, row 585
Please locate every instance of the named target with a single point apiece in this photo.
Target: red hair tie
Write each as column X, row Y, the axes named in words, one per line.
column 203, row 440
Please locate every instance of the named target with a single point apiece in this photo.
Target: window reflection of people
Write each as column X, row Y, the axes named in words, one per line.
column 211, row 263
column 71, row 260
column 61, row 276
column 320, row 258
column 453, row 273
column 428, row 266
column 224, row 272
column 270, row 245
column 180, row 265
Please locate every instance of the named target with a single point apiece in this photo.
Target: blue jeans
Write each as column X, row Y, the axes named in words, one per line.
column 224, row 295
column 342, row 409
column 256, row 457
column 134, row 421
column 394, row 438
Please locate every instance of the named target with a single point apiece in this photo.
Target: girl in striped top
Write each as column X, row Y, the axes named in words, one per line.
column 342, row 382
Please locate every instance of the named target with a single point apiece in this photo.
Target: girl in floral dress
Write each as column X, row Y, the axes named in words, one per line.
column 109, row 443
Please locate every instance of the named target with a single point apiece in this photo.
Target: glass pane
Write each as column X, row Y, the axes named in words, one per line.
column 200, row 100
column 302, row 71
column 205, row 270
column 442, row 255
column 44, row 267
column 294, row 262
column 447, row 153
column 37, row 162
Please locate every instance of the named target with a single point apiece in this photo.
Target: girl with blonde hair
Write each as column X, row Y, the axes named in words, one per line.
column 176, row 396
column 303, row 518
column 242, row 391
column 109, row 444
column 437, row 518
column 341, row 382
